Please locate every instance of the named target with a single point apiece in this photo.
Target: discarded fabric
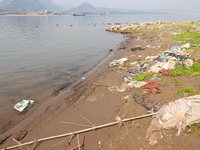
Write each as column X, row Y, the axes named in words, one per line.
column 151, row 87
column 21, row 106
column 163, row 72
column 178, row 114
column 148, row 104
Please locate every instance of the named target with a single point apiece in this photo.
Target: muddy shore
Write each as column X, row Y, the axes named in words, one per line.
column 91, row 103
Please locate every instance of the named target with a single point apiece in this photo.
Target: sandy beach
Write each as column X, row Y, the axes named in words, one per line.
column 89, row 103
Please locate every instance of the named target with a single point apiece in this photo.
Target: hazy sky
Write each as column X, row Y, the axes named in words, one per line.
column 137, row 4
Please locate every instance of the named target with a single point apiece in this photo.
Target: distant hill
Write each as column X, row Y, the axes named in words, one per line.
column 27, row 4
column 88, row 8
column 84, row 7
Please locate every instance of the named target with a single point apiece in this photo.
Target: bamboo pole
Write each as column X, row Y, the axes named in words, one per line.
column 78, row 132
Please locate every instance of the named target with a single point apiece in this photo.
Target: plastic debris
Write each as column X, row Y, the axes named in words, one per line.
column 154, row 78
column 178, row 114
column 118, row 62
column 21, row 106
column 174, row 47
column 83, row 78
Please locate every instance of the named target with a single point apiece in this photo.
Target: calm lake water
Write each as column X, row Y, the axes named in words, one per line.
column 46, row 51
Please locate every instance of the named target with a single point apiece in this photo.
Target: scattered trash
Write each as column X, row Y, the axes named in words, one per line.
column 137, row 48
column 148, row 104
column 118, row 62
column 21, row 106
column 167, row 60
column 178, row 114
column 151, row 87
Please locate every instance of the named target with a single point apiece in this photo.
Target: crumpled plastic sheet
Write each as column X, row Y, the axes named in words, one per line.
column 178, row 114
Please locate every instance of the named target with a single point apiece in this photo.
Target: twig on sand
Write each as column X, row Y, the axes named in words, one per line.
column 88, row 121
column 35, row 144
column 76, row 124
column 78, row 142
column 80, row 131
column 79, row 146
column 83, row 143
column 60, row 142
column 71, row 137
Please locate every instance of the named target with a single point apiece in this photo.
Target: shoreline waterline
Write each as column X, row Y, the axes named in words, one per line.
column 51, row 98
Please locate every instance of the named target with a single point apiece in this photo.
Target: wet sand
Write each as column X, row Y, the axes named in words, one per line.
column 91, row 103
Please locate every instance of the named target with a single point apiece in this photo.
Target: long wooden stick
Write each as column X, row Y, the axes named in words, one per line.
column 80, row 131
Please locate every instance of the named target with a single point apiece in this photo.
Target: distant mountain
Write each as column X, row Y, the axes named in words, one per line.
column 84, row 7
column 27, row 4
column 88, row 8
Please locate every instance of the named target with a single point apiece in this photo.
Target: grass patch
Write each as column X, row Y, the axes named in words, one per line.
column 177, row 72
column 189, row 90
column 195, row 128
column 186, row 36
column 197, row 41
column 187, row 28
column 194, row 70
column 142, row 76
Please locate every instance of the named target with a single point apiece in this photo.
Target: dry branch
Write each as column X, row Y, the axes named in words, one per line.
column 80, row 131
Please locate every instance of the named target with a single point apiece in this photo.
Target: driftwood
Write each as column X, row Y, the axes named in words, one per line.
column 80, row 131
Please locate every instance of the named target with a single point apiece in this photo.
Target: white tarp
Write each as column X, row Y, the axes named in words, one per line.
column 179, row 114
